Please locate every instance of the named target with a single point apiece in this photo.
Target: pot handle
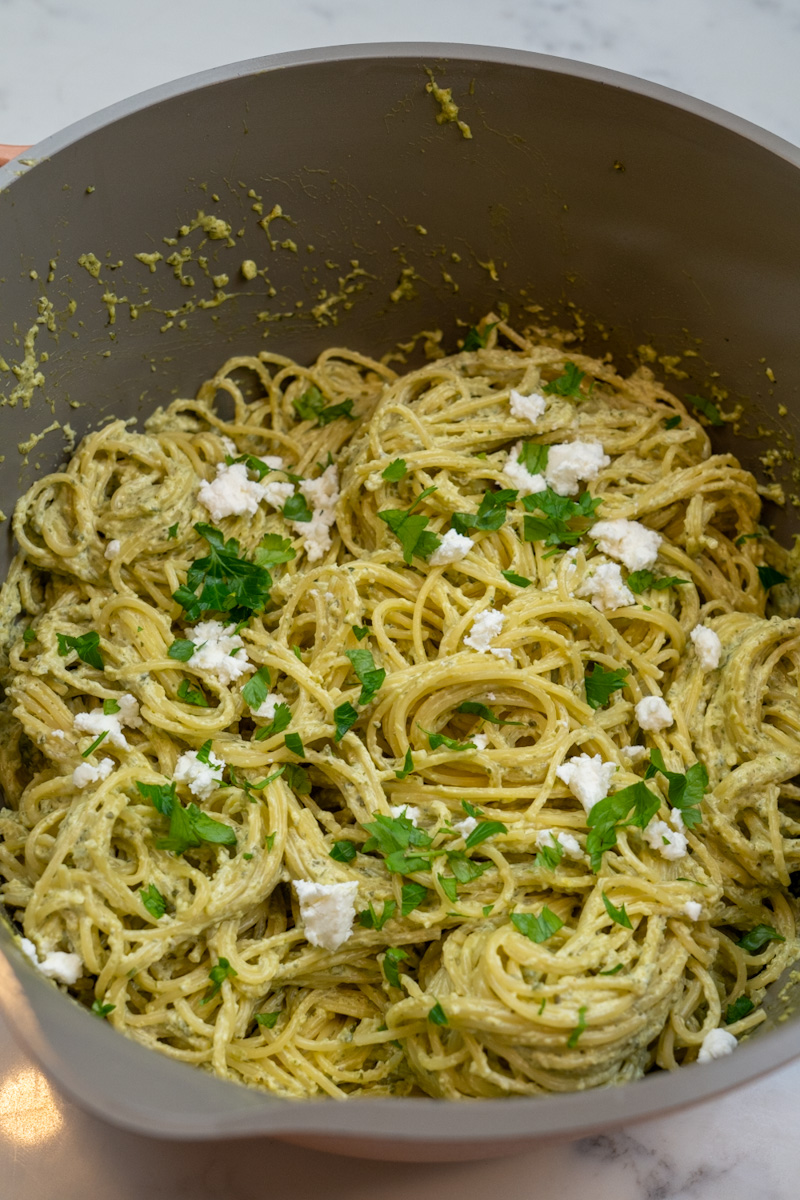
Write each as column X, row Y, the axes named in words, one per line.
column 9, row 152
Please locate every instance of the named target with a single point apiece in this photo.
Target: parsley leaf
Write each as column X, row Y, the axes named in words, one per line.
column 640, row 581
column 153, row 901
column 550, row 856
column 345, row 717
column 269, row 1019
column 272, row 550
column 554, row 528
column 181, row 650
column 482, row 831
column 395, row 471
column 614, row 970
column 361, row 632
column 412, row 895
column 671, row 423
column 254, row 464
column 334, row 411
column 218, row 974
column 370, row 919
column 296, row 508
column 390, row 834
column 311, row 406
column 614, row 811
column 407, row 768
column 490, row 515
column 256, row 690
column 188, row 827
column 391, row 960
column 519, row 580
column 707, row 408
column 172, row 532
column 110, row 707
column 533, row 457
column 617, row 914
column 770, row 577
column 191, row 695
column 601, row 684
column 572, row 1040
column 343, row 851
column 537, row 928
column 370, row 676
column 475, row 340
column 739, row 1009
column 101, row 1010
column 480, row 710
column 410, row 529
column 280, row 721
column 230, row 584
column 437, row 1015
column 294, row 742
column 747, row 537
column 297, row 778
column 466, row 869
column 86, row 646
column 435, row 740
column 568, row 383
column 756, row 939
column 449, row 887
column 29, row 635
column 685, row 791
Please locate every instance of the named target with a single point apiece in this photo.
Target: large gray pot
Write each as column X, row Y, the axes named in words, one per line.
column 655, row 217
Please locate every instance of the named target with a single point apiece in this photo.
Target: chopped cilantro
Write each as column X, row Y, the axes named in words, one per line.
column 85, row 753
column 256, row 690
column 601, row 684
column 435, row 740
column 685, row 791
column 480, row 710
column 86, row 646
column 519, row 580
column 218, row 974
column 230, row 584
column 181, row 650
column 537, row 928
column 490, row 515
column 707, row 408
column 153, row 901
column 370, row 919
column 391, row 960
column 770, row 577
column 370, row 676
column 343, row 851
column 437, row 1015
column 572, row 1040
column 270, row 1019
column 553, row 528
column 617, row 915
column 410, row 529
column 345, row 717
column 756, row 939
column 740, row 1008
column 568, row 383
column 640, row 581
column 102, row 1010
column 395, row 471
column 191, row 695
column 408, row 766
column 614, row 812
column 280, row 721
column 296, row 509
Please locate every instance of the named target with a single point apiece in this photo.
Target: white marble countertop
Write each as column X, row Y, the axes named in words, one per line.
column 63, row 59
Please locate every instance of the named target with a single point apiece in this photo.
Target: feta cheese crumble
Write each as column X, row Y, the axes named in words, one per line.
column 322, row 495
column 97, row 722
column 716, row 1044
column 406, row 810
column 464, row 828
column 692, row 909
column 654, row 714
column 632, row 543
column 519, row 476
column 266, row 708
column 86, row 773
column 215, row 642
column 327, row 911
column 486, row 626
column 454, row 546
column 635, row 754
column 527, row 408
column 569, row 844
column 56, row 964
column 707, row 647
column 112, row 549
column 232, row 493
column 202, row 778
column 588, row 778
column 606, row 588
column 480, row 740
column 570, row 462
column 670, row 843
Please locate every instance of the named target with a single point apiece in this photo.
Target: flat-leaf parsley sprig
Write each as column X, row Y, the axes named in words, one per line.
column 228, row 582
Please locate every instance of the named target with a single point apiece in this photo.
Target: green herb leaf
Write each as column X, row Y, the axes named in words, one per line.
column 256, row 690
column 153, row 901
column 537, row 928
column 554, row 528
column 390, row 834
column 296, row 508
column 345, row 717
column 410, row 529
column 270, row 1020
column 617, row 914
column 254, row 464
column 491, row 512
column 770, row 577
column 172, row 532
column 343, row 851
column 218, row 974
column 533, row 457
column 449, row 887
column 740, row 1008
column 334, row 411
column 86, row 646
column 475, row 340
column 549, row 857
column 601, row 684
column 361, row 632
column 229, row 583
column 613, row 812
column 189, row 827
column 395, row 471
column 392, row 958
column 273, row 550
column 181, row 650
column 482, row 831
column 614, row 970
column 85, row 753
column 707, row 408
column 466, row 869
column 29, row 635
column 756, row 939
column 311, row 406
column 370, row 676
column 297, row 778
column 407, row 768
column 435, row 740
column 640, row 581
column 519, row 580
column 685, row 791
column 480, row 710
column 110, row 707
column 412, row 896
column 572, row 1040
column 671, row 423
column 747, row 537
column 568, row 383
column 294, row 742
column 437, row 1015
column 280, row 721
column 102, row 1010
column 191, row 695
column 370, row 919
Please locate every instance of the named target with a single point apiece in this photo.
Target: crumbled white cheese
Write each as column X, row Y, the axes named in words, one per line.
column 112, row 549
column 692, row 909
column 276, row 494
column 528, row 408
column 231, row 493
column 570, row 462
column 215, row 642
column 273, row 461
column 502, row 652
column 707, row 646
column 327, row 911
column 229, row 445
column 267, row 706
column 97, row 722
column 86, row 773
column 453, row 547
column 632, row 543
column 588, row 778
column 486, row 626
column 670, row 843
column 464, row 828
column 480, row 740
column 654, row 714
column 716, row 1044
column 570, row 845
column 676, row 820
column 322, row 495
column 519, row 476
column 606, row 588
column 202, row 778
column 635, row 753
column 56, row 964
column 406, row 810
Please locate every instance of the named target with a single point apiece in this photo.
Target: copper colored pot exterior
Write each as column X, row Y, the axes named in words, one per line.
column 656, row 218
